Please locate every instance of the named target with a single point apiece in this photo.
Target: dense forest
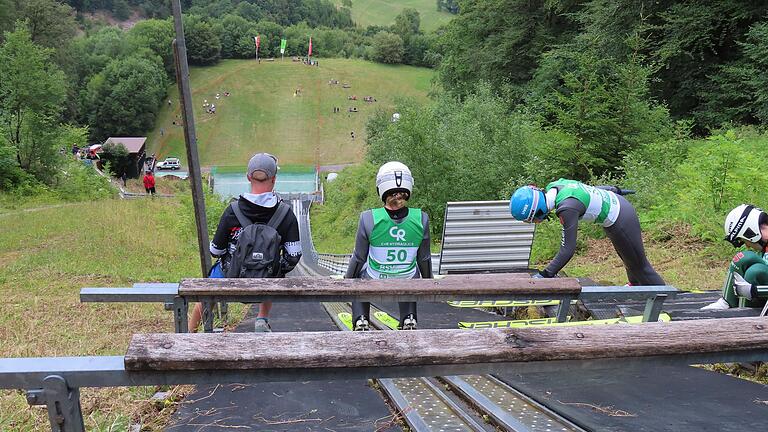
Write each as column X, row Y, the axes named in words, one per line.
column 67, row 79
column 529, row 90
column 668, row 97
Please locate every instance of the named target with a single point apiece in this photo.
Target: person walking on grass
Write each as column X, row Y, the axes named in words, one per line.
column 573, row 202
column 257, row 236
column 392, row 242
column 149, row 183
column 745, row 225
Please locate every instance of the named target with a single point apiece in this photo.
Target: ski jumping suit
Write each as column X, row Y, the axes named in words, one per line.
column 753, row 267
column 391, row 244
column 575, row 201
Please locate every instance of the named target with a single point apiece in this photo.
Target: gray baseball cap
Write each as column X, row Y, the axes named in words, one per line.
column 264, row 162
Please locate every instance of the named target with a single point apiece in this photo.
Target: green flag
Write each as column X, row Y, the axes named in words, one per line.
column 283, row 42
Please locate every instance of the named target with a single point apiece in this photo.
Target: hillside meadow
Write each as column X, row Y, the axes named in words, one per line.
column 264, row 113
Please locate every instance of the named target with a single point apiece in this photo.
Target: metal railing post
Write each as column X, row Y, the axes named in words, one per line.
column 563, row 308
column 190, row 138
column 653, row 308
column 180, row 311
column 63, row 403
column 208, row 305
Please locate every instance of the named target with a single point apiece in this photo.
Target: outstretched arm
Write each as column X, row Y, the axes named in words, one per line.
column 424, row 255
column 291, row 246
column 569, row 218
column 360, row 254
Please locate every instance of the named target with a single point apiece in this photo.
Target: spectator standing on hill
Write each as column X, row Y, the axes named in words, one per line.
column 149, row 182
column 261, row 206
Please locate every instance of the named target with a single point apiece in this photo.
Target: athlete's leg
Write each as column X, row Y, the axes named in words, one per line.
column 197, row 316
column 406, row 308
column 757, row 274
column 197, row 311
column 361, row 308
column 264, row 308
column 627, row 240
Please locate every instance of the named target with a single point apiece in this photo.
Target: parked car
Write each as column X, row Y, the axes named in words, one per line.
column 171, row 163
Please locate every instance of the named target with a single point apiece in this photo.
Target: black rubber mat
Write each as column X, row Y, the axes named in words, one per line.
column 293, row 406
column 686, row 306
column 655, row 398
column 663, row 398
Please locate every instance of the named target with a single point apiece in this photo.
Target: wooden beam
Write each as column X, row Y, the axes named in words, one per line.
column 477, row 285
column 339, row 350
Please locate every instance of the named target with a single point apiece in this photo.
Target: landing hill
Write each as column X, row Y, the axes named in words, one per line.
column 264, row 112
column 383, row 12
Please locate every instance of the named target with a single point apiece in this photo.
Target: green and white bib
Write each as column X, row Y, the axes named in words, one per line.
column 602, row 205
column 392, row 246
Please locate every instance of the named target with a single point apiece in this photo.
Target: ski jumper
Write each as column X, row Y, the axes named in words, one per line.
column 574, row 201
column 391, row 244
column 753, row 267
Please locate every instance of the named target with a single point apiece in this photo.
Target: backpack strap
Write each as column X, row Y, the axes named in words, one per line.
column 280, row 213
column 244, row 221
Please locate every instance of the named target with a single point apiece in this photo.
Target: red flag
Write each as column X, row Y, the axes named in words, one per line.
column 310, row 47
column 258, row 41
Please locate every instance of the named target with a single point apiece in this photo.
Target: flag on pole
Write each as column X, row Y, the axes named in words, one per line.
column 309, row 53
column 257, row 40
column 283, row 42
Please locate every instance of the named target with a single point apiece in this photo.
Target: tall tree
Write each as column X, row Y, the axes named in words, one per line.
column 157, row 36
column 501, row 41
column 387, row 48
column 203, row 43
column 32, row 92
column 124, row 98
column 693, row 40
column 51, row 23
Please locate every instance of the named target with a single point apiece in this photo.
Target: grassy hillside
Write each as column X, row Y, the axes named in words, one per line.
column 262, row 112
column 102, row 243
column 383, row 12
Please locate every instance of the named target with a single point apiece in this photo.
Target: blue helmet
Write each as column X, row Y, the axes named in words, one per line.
column 528, row 204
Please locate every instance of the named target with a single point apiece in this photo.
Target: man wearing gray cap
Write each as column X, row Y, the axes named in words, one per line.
column 260, row 206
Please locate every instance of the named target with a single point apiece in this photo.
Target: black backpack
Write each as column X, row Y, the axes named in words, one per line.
column 257, row 254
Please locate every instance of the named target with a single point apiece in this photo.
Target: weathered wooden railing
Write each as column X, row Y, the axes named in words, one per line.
column 164, row 359
column 507, row 286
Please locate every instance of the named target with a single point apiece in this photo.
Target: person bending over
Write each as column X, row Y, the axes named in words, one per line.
column 572, row 202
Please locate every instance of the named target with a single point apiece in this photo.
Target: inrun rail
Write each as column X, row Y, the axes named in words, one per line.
column 506, row 407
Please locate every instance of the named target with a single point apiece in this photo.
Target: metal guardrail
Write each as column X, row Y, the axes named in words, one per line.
column 483, row 236
column 335, row 263
column 301, row 196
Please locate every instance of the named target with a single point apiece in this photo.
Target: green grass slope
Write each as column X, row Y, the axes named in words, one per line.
column 76, row 245
column 262, row 113
column 383, row 12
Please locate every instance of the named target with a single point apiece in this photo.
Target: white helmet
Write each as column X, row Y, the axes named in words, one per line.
column 392, row 176
column 743, row 223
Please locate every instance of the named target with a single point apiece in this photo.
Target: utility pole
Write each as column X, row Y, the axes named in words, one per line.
column 185, row 96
